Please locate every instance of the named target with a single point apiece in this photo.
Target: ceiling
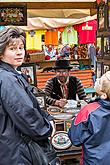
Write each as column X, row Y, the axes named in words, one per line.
column 58, row 13
column 65, row 9
column 57, row 9
column 48, row 1
column 62, row 9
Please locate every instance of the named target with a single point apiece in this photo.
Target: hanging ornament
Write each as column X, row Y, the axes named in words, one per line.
column 69, row 29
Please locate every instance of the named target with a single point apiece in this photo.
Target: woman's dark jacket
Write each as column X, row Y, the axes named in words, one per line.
column 20, row 115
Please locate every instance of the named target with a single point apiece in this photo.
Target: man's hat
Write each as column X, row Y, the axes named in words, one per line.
column 62, row 64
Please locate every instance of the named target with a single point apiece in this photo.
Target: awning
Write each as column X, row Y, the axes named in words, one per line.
column 51, row 23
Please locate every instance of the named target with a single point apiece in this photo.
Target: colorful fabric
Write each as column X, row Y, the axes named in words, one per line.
column 51, row 37
column 87, row 32
column 34, row 42
column 69, row 36
column 65, row 50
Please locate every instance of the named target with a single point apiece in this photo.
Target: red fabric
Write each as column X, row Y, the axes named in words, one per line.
column 98, row 1
column 47, row 57
column 84, row 112
column 61, row 29
column 87, row 36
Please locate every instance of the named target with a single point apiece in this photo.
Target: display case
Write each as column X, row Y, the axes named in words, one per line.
column 99, row 43
column 99, row 69
column 103, row 38
column 106, row 47
column 106, row 67
column 101, row 15
column 108, row 14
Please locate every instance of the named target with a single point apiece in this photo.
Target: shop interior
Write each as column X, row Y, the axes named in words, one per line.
column 75, row 31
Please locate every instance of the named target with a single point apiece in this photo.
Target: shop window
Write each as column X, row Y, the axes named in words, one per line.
column 99, row 69
column 107, row 47
column 101, row 14
column 106, row 67
column 99, row 48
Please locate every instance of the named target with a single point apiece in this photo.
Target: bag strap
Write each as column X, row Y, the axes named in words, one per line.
column 37, row 154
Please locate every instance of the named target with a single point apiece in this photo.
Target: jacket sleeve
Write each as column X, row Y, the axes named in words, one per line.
column 80, row 89
column 49, row 90
column 36, row 91
column 78, row 133
column 26, row 117
column 83, row 127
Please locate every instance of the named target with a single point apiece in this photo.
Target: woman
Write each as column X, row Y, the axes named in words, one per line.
column 23, row 124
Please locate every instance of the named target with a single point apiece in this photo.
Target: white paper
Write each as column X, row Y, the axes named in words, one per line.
column 71, row 104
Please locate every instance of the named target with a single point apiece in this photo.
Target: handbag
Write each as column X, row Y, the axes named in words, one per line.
column 42, row 152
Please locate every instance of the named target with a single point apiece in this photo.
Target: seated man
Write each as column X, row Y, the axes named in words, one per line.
column 63, row 87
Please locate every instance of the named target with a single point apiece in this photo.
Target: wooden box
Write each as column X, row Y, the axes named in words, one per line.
column 37, row 57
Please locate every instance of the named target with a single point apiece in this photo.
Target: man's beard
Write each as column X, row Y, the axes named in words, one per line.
column 62, row 79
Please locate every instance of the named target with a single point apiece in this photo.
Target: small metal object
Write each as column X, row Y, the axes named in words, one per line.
column 78, row 104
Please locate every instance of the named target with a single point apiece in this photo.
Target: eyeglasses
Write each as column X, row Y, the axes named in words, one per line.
column 62, row 73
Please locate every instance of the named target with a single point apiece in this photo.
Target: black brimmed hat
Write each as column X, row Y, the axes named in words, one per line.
column 62, row 64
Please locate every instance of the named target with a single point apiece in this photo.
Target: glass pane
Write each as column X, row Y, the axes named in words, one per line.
column 106, row 45
column 99, row 49
column 101, row 17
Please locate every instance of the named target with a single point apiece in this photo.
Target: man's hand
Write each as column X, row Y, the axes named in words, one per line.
column 61, row 103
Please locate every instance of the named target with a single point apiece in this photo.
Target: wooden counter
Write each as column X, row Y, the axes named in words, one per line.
column 71, row 153
column 60, row 125
column 49, row 63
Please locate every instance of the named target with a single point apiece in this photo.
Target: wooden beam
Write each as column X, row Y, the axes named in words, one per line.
column 55, row 5
column 93, row 11
column 60, row 5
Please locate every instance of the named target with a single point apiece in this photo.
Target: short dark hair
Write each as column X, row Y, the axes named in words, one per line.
column 7, row 34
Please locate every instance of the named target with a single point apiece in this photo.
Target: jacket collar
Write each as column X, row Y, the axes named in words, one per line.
column 104, row 103
column 7, row 67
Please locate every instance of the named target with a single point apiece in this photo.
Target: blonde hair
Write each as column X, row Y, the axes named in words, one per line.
column 105, row 85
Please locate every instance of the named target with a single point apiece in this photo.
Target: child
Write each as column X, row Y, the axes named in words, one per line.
column 91, row 127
